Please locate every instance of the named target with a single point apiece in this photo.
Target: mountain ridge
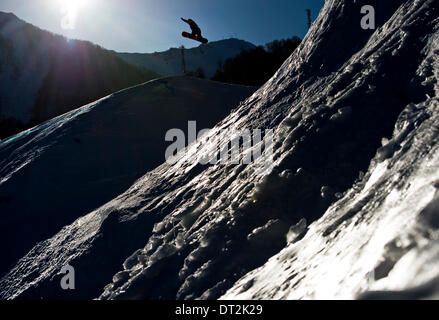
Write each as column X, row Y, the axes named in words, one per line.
column 205, row 56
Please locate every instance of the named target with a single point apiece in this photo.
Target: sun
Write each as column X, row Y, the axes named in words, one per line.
column 69, row 10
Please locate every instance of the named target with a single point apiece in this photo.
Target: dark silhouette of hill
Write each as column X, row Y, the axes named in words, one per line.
column 43, row 75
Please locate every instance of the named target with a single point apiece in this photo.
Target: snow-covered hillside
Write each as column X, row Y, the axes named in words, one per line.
column 43, row 75
column 205, row 56
column 348, row 207
column 68, row 166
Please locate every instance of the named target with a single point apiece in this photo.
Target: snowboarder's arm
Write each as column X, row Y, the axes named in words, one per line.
column 187, row 21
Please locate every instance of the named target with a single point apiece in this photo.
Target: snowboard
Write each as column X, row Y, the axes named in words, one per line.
column 190, row 36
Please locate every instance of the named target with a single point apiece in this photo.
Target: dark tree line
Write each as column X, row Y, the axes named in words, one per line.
column 255, row 67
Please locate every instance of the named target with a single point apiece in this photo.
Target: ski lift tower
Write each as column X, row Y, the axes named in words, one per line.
column 183, row 61
column 308, row 13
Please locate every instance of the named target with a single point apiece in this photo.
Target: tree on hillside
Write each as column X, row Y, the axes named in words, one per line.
column 255, row 67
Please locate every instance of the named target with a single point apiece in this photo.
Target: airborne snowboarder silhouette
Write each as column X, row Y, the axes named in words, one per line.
column 196, row 31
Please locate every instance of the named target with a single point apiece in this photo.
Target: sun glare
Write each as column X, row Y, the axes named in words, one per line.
column 70, row 10
column 72, row 5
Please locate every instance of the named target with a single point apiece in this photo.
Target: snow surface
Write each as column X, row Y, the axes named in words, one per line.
column 355, row 115
column 205, row 56
column 57, row 172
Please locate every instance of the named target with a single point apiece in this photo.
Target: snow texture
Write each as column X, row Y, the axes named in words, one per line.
column 59, row 171
column 364, row 214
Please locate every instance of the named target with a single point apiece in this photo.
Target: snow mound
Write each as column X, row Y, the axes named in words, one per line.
column 379, row 240
column 190, row 231
column 63, row 169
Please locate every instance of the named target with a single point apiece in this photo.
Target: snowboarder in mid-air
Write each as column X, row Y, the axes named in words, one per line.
column 196, row 31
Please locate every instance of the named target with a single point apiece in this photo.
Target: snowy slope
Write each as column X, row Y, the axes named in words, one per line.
column 347, row 101
column 63, row 169
column 205, row 56
column 380, row 240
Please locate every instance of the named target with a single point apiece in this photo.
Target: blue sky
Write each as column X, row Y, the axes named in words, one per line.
column 155, row 25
